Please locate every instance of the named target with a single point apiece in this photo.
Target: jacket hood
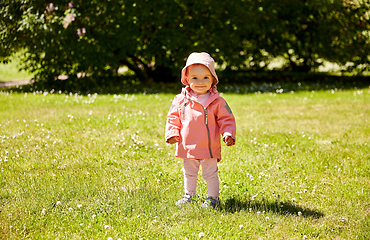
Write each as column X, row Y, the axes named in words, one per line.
column 214, row 94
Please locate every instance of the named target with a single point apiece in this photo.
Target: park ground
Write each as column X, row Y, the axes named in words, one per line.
column 95, row 166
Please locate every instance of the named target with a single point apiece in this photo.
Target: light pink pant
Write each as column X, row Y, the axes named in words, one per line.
column 209, row 173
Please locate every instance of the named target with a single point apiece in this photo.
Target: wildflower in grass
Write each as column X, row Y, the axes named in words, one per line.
column 93, row 216
column 299, row 214
column 70, row 209
column 305, row 237
column 201, row 234
column 43, row 211
column 254, row 197
column 79, row 206
column 107, row 227
column 59, row 203
column 241, row 226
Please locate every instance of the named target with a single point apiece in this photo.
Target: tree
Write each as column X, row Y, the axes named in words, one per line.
column 306, row 32
column 93, row 39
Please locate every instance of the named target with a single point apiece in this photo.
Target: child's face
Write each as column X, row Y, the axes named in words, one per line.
column 200, row 79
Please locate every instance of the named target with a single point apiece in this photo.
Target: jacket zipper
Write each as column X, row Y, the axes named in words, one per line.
column 206, row 123
column 209, row 136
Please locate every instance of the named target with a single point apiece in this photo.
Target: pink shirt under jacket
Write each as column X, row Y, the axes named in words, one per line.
column 198, row 127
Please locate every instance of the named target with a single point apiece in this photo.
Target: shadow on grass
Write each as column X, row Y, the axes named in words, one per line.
column 233, row 205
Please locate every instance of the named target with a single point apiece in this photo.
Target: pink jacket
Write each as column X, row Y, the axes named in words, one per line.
column 198, row 127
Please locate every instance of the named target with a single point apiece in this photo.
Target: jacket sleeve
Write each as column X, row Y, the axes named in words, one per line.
column 173, row 124
column 226, row 119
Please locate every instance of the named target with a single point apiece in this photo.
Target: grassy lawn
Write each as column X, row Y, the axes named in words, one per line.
column 97, row 167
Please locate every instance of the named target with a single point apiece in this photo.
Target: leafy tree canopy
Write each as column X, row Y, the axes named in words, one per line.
column 93, row 39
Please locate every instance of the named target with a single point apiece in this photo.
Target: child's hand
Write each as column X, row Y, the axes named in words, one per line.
column 229, row 141
column 173, row 140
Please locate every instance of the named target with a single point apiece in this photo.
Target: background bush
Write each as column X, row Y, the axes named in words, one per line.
column 88, row 41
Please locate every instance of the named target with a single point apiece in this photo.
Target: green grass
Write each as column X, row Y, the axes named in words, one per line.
column 97, row 167
column 10, row 72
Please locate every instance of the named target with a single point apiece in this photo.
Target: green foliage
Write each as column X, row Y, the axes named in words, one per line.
column 93, row 39
column 10, row 71
column 305, row 32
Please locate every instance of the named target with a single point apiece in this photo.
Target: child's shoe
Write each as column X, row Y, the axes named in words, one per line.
column 210, row 202
column 185, row 199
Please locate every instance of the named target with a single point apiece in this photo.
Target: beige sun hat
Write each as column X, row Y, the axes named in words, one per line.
column 199, row 58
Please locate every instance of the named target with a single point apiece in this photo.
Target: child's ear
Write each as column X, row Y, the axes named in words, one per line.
column 214, row 82
column 186, row 80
